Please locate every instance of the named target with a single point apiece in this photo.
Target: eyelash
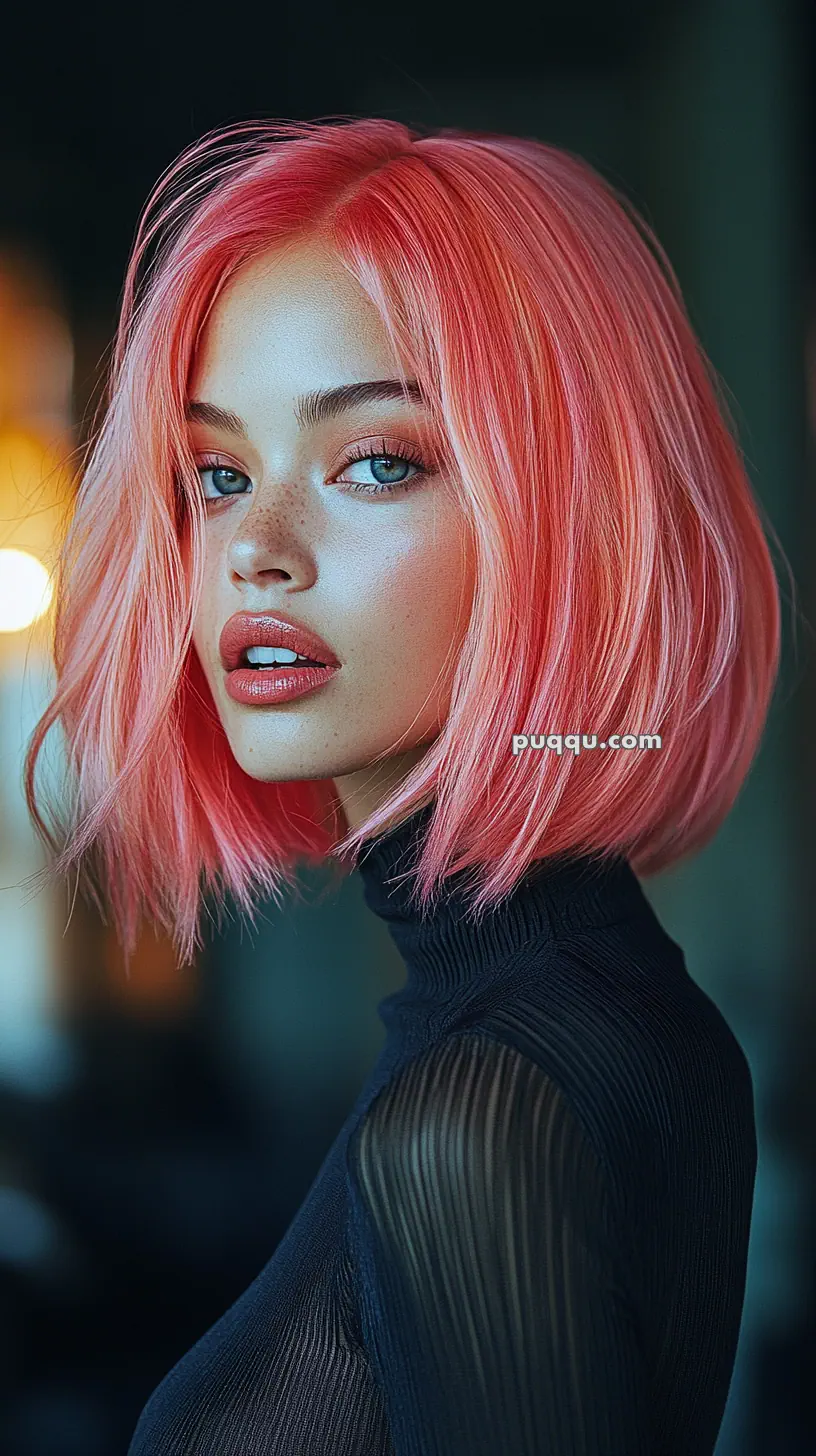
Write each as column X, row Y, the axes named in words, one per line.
column 363, row 451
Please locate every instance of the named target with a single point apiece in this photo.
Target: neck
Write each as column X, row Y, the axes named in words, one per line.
column 362, row 792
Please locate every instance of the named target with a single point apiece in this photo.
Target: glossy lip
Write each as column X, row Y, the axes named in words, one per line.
column 259, row 686
column 268, row 629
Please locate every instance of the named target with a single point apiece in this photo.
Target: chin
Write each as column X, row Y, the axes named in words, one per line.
column 274, row 768
column 284, row 763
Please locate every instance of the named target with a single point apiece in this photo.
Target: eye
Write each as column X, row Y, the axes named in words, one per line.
column 389, row 463
column 385, row 466
column 226, row 479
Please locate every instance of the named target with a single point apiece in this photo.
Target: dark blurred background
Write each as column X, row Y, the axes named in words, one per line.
column 158, row 1132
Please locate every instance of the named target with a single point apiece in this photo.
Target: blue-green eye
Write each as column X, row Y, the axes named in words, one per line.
column 393, row 467
column 389, row 467
column 226, row 479
column 389, row 471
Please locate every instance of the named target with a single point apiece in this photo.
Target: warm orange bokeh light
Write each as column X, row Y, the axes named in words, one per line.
column 35, row 491
column 25, row 590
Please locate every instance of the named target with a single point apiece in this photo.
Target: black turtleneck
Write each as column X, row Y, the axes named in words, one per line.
column 453, row 959
column 530, row 1236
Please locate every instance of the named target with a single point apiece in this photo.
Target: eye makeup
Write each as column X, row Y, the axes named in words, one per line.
column 384, row 456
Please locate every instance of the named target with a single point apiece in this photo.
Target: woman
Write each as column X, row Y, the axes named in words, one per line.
column 410, row 464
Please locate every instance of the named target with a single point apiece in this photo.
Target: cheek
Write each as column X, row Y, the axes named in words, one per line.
column 421, row 602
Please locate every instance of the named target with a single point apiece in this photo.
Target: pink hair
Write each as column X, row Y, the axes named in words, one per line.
column 624, row 581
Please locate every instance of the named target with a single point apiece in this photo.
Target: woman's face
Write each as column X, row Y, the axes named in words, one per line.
column 382, row 573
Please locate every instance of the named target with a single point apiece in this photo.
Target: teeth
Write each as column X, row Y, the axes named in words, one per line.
column 269, row 655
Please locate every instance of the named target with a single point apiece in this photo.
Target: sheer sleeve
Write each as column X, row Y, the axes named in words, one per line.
column 497, row 1301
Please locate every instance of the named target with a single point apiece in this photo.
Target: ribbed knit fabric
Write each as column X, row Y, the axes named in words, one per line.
column 530, row 1236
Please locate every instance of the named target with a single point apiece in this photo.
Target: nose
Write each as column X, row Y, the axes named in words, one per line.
column 270, row 544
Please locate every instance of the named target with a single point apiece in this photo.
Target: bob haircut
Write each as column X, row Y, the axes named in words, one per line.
column 624, row 583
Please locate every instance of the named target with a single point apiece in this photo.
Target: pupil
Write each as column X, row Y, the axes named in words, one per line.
column 392, row 465
column 224, row 470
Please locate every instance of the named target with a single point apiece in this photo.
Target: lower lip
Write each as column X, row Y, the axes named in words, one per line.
column 275, row 684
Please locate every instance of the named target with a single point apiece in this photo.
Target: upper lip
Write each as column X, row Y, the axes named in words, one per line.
column 270, row 629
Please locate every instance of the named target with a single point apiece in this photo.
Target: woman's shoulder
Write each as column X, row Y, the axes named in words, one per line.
column 612, row 1013
column 607, row 1036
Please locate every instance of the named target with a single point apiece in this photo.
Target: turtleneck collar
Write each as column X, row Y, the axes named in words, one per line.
column 449, row 953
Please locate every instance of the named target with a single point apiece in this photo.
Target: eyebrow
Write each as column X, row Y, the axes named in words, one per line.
column 311, row 409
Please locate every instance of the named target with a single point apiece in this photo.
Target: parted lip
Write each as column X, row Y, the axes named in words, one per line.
column 270, row 629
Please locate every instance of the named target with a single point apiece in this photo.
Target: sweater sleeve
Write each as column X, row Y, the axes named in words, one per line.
column 497, row 1302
